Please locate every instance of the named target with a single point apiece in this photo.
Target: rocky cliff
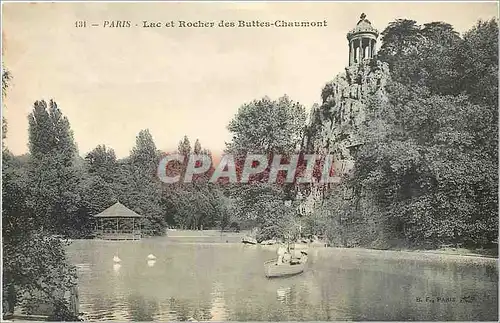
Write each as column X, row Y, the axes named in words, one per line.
column 334, row 126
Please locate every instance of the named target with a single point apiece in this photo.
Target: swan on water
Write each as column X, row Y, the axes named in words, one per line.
column 151, row 257
column 116, row 259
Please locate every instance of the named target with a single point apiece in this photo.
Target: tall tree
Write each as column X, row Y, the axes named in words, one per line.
column 197, row 204
column 197, row 147
column 477, row 63
column 54, row 179
column 184, row 146
column 267, row 126
column 138, row 187
column 421, row 55
column 35, row 267
column 144, row 154
column 6, row 76
column 101, row 161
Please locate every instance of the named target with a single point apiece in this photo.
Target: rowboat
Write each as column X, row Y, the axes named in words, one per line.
column 248, row 240
column 273, row 269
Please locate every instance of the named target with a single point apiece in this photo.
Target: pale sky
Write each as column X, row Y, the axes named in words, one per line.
column 113, row 82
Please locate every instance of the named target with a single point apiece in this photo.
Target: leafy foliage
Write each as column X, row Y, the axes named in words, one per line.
column 265, row 127
column 198, row 204
column 35, row 268
column 6, row 77
column 433, row 169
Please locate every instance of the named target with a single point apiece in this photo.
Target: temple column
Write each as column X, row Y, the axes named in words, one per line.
column 373, row 47
column 370, row 49
column 354, row 52
column 351, row 53
column 360, row 58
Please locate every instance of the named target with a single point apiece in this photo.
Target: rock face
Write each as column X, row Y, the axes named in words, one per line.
column 334, row 126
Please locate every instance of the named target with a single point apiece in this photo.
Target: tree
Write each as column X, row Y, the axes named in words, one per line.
column 421, row 55
column 144, row 154
column 195, row 205
column 137, row 185
column 184, row 146
column 197, row 147
column 101, row 161
column 477, row 63
column 53, row 177
column 35, row 267
column 96, row 195
column 6, row 77
column 428, row 165
column 267, row 126
column 424, row 172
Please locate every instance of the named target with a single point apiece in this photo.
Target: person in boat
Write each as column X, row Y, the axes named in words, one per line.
column 281, row 253
column 284, row 255
column 287, row 258
column 296, row 257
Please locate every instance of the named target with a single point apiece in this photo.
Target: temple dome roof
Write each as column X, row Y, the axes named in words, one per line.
column 363, row 26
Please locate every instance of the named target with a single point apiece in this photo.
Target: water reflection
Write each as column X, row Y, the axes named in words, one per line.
column 218, row 310
column 283, row 294
column 116, row 268
column 226, row 282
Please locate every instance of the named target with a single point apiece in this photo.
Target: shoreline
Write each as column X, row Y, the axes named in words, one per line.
column 434, row 252
column 235, row 238
column 441, row 251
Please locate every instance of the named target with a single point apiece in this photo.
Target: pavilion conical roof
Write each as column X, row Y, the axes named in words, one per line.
column 117, row 210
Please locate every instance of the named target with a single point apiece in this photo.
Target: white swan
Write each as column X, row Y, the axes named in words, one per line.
column 116, row 259
column 151, row 257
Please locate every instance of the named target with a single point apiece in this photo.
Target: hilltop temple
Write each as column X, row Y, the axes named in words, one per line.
column 362, row 41
column 335, row 125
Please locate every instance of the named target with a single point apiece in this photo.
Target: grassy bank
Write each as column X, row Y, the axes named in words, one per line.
column 205, row 236
column 235, row 237
column 489, row 253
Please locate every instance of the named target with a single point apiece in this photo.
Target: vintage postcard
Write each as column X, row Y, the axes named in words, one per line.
column 249, row 161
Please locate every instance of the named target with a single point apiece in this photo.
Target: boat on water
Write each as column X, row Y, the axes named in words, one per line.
column 269, row 242
column 248, row 240
column 274, row 269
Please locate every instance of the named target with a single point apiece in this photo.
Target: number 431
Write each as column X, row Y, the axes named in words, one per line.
column 80, row 24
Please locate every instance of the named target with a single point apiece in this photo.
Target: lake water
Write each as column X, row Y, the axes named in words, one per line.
column 218, row 281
